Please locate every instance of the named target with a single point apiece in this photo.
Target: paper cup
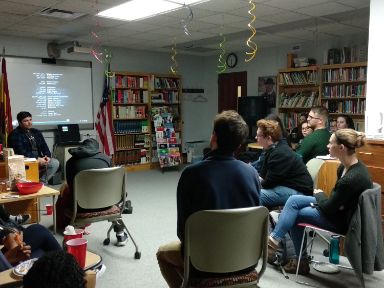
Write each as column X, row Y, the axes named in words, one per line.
column 79, row 234
column 49, row 209
column 78, row 248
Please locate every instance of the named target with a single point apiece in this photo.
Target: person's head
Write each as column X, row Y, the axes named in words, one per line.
column 317, row 117
column 229, row 131
column 55, row 269
column 344, row 142
column 333, row 125
column 277, row 118
column 25, row 119
column 268, row 84
column 303, row 117
column 268, row 132
column 305, row 129
column 345, row 121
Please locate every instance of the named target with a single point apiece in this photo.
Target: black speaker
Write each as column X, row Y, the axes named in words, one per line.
column 252, row 108
column 68, row 134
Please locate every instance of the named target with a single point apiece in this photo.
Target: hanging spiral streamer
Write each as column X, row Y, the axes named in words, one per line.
column 185, row 22
column 222, row 66
column 252, row 45
column 173, row 58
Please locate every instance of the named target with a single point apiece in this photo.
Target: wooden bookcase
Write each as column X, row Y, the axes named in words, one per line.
column 343, row 90
column 298, row 90
column 130, row 113
column 133, row 97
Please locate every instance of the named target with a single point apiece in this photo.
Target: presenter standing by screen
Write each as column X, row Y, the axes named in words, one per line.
column 29, row 142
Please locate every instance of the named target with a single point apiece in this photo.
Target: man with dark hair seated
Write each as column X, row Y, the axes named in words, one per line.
column 29, row 142
column 55, row 269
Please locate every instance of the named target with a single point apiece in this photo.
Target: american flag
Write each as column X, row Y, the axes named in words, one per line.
column 5, row 105
column 104, row 125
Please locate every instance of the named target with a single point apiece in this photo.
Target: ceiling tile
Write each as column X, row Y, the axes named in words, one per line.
column 324, row 9
column 296, row 4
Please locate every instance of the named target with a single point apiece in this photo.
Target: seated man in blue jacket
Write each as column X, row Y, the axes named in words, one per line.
column 29, row 142
column 218, row 182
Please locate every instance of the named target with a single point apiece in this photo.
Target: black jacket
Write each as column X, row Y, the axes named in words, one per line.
column 283, row 167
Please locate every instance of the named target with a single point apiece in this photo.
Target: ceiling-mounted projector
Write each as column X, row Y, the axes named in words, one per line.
column 78, row 49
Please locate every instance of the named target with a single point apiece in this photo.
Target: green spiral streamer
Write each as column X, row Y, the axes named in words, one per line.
column 222, row 65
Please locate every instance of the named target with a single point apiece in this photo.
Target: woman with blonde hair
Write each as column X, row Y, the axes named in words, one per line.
column 333, row 212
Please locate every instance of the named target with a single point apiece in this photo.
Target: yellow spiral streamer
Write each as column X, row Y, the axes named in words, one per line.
column 222, row 66
column 252, row 45
column 173, row 58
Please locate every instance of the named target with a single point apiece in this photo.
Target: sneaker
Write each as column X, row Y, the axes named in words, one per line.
column 291, row 266
column 100, row 270
column 273, row 244
column 272, row 257
column 122, row 239
column 22, row 219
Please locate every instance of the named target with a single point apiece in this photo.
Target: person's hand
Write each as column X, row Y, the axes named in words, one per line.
column 43, row 161
column 13, row 240
column 315, row 191
column 18, row 254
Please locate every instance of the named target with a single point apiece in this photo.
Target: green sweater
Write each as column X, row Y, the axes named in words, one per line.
column 314, row 144
column 342, row 202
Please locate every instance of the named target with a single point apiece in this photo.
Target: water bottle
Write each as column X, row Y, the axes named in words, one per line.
column 334, row 249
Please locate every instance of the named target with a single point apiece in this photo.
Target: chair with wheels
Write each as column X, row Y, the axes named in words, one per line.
column 101, row 195
column 225, row 241
column 313, row 167
column 359, row 239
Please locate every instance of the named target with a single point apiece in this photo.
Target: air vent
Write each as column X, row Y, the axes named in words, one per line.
column 61, row 14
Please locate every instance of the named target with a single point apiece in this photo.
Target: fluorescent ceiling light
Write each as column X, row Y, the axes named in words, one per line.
column 139, row 9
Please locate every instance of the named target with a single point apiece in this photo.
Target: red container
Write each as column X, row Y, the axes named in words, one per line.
column 78, row 248
column 49, row 209
column 28, row 187
column 79, row 234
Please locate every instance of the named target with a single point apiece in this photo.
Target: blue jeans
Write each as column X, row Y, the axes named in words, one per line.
column 276, row 196
column 47, row 172
column 298, row 210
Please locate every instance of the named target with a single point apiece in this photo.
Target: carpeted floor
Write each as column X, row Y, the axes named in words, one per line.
column 153, row 222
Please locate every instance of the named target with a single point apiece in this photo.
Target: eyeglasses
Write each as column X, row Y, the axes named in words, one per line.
column 312, row 117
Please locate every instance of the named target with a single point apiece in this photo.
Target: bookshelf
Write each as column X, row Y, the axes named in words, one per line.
column 165, row 99
column 298, row 90
column 130, row 111
column 135, row 97
column 343, row 90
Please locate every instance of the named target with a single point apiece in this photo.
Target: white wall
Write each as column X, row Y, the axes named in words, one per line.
column 196, row 72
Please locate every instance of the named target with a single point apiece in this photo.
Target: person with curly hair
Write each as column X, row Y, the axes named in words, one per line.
column 57, row 269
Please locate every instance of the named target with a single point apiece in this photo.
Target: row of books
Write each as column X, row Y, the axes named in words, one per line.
column 299, row 99
column 351, row 90
column 345, row 106
column 129, row 112
column 298, row 78
column 132, row 157
column 290, row 120
column 165, row 96
column 125, row 81
column 136, row 126
column 165, row 83
column 345, row 74
column 132, row 141
column 174, row 110
column 129, row 96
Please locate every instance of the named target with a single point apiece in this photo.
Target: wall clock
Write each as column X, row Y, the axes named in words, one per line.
column 231, row 60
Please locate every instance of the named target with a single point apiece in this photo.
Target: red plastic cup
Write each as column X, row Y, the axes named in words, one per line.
column 78, row 248
column 79, row 234
column 49, row 209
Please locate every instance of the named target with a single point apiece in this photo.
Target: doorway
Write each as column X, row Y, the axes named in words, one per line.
column 231, row 86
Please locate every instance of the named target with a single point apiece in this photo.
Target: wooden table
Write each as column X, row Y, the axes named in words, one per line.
column 43, row 192
column 254, row 146
column 29, row 206
column 8, row 279
column 327, row 176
